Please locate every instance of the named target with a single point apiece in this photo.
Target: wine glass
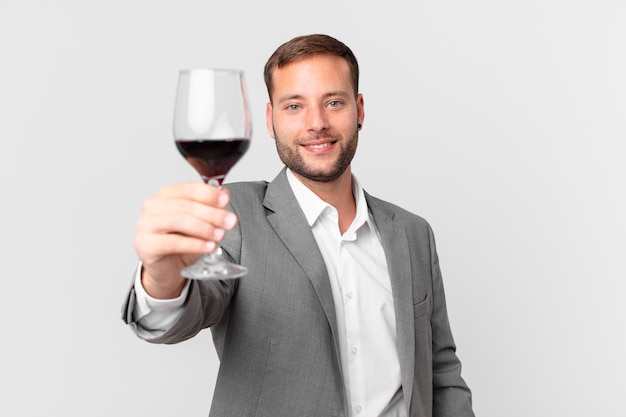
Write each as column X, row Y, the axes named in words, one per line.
column 212, row 130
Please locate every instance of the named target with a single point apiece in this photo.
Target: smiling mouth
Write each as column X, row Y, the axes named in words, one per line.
column 320, row 145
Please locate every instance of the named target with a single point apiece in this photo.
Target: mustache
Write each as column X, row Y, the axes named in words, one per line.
column 319, row 136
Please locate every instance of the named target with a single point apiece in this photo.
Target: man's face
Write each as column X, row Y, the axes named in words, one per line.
column 313, row 117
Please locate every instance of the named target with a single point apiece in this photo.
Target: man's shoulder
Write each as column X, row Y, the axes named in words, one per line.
column 399, row 214
column 248, row 194
column 247, row 187
column 246, row 200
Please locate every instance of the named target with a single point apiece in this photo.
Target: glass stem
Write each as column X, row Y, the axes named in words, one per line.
column 215, row 183
column 216, row 255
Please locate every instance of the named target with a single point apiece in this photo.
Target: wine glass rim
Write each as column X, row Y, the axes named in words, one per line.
column 217, row 70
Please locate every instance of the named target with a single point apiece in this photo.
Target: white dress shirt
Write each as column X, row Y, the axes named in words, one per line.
column 361, row 288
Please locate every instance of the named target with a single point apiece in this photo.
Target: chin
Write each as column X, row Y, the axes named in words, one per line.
column 318, row 175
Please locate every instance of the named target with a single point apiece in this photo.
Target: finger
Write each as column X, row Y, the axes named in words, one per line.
column 155, row 247
column 175, row 210
column 181, row 224
column 196, row 191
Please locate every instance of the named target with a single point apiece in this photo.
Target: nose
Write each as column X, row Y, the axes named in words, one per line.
column 316, row 119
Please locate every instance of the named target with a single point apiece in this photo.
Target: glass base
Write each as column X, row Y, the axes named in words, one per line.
column 213, row 267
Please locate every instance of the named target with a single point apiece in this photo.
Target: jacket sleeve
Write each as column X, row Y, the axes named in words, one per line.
column 206, row 305
column 451, row 395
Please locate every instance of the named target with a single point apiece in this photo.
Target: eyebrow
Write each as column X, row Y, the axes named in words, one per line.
column 300, row 96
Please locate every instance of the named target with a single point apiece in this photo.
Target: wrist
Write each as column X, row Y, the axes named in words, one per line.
column 162, row 290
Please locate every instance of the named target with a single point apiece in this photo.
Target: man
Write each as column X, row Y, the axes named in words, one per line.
column 342, row 312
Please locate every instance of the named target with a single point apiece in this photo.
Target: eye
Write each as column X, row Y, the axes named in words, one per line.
column 293, row 107
column 334, row 103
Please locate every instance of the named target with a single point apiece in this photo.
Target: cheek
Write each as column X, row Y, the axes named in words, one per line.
column 284, row 128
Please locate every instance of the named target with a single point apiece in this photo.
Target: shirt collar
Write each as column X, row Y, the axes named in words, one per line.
column 313, row 206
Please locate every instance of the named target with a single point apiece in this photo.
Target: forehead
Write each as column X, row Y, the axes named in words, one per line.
column 315, row 74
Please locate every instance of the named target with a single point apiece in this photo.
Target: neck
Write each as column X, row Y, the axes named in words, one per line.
column 337, row 193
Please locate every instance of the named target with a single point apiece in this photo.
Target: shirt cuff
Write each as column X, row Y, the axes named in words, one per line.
column 156, row 315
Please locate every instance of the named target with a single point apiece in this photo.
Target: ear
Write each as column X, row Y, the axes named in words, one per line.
column 269, row 123
column 360, row 109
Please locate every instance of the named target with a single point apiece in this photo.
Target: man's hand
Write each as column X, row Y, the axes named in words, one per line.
column 176, row 227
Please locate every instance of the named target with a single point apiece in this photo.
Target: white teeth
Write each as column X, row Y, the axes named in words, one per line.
column 323, row 145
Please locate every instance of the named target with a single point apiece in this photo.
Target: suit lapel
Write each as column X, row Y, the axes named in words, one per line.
column 396, row 247
column 291, row 226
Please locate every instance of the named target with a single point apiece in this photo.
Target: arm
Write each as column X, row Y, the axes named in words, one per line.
column 152, row 317
column 176, row 226
column 451, row 395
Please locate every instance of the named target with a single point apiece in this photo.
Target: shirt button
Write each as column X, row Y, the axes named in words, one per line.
column 349, row 295
column 355, row 351
column 359, row 409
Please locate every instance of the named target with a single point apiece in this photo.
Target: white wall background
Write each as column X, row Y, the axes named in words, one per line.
column 501, row 122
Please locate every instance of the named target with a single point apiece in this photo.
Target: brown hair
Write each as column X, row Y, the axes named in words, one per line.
column 306, row 46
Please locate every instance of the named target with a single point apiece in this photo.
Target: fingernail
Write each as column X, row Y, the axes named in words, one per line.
column 210, row 246
column 218, row 234
column 222, row 200
column 230, row 220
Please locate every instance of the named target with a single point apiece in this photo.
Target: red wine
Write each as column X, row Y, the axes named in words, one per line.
column 212, row 158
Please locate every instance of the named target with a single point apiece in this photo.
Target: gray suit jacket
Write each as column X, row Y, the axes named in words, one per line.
column 275, row 330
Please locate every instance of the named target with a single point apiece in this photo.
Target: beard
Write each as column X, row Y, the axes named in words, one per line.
column 294, row 161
